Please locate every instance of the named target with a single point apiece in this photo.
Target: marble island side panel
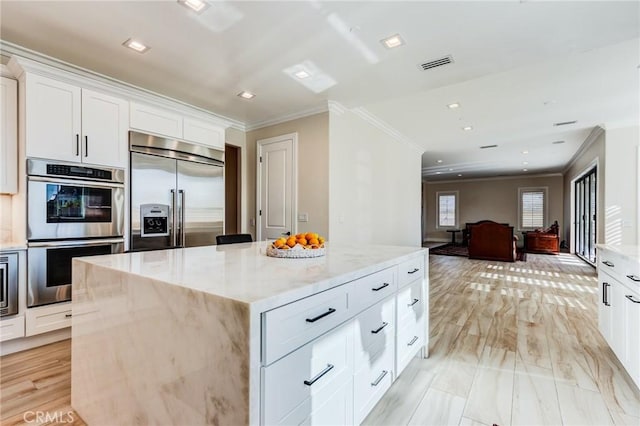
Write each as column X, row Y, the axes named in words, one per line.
column 144, row 352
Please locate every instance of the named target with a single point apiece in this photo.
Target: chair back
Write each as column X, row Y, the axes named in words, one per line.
column 233, row 239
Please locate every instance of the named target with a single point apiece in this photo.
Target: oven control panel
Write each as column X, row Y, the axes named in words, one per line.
column 154, row 220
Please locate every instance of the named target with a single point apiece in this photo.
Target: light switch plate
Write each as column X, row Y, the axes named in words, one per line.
column 303, row 217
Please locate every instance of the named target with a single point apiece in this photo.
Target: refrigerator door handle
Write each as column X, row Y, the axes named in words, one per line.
column 174, row 233
column 181, row 211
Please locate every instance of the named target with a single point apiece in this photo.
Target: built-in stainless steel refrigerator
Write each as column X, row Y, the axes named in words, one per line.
column 177, row 193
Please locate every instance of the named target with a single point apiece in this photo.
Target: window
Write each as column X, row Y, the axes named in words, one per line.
column 447, row 209
column 532, row 209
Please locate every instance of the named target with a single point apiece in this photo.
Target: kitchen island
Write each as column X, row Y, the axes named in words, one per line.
column 227, row 335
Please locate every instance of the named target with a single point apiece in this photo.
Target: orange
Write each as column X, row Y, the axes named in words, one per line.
column 291, row 242
column 298, row 236
column 321, row 240
column 279, row 243
column 313, row 241
column 311, row 235
column 302, row 241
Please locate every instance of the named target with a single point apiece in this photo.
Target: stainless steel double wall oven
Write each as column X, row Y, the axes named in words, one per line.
column 72, row 210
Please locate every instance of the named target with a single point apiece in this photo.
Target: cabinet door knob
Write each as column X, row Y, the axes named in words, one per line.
column 381, row 287
column 414, row 271
column 630, row 297
column 379, row 379
column 77, row 144
column 609, row 264
column 86, row 145
column 329, row 312
column 633, row 278
column 379, row 329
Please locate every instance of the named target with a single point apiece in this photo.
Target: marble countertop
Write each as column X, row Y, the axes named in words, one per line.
column 13, row 246
column 244, row 273
column 630, row 251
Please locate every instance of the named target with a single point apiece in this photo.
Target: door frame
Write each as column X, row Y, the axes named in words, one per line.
column 260, row 143
column 573, row 240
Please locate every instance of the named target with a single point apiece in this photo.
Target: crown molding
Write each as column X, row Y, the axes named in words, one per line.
column 364, row 114
column 494, row 178
column 595, row 133
column 26, row 60
column 287, row 117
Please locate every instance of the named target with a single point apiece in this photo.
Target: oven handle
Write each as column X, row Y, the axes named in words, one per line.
column 75, row 243
column 74, row 182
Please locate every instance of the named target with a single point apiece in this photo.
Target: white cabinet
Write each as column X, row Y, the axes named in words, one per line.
column 8, row 136
column 162, row 122
column 47, row 318
column 65, row 122
column 155, row 120
column 11, row 328
column 619, row 308
column 203, row 132
column 330, row 357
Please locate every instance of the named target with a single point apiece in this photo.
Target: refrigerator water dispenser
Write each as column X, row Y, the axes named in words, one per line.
column 155, row 220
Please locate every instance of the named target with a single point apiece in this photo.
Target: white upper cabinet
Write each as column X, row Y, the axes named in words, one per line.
column 203, row 132
column 65, row 122
column 156, row 120
column 8, row 136
column 105, row 126
column 52, row 119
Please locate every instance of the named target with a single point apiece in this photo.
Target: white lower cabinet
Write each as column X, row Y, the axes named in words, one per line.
column 329, row 358
column 12, row 328
column 619, row 308
column 47, row 318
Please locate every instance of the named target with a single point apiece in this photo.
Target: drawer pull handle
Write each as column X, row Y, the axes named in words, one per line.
column 413, row 303
column 329, row 312
column 67, row 315
column 414, row 271
column 379, row 379
column 633, row 278
column 605, row 294
column 384, row 324
column 609, row 264
column 415, row 339
column 630, row 297
column 381, row 287
column 319, row 376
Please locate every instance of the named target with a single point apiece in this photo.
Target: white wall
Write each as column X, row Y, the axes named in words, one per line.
column 621, row 185
column 374, row 184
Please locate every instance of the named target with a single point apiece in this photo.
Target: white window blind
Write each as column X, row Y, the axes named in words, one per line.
column 447, row 210
column 532, row 209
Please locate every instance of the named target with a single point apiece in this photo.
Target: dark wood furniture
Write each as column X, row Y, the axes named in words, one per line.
column 547, row 241
column 453, row 235
column 492, row 241
column 233, row 239
column 466, row 232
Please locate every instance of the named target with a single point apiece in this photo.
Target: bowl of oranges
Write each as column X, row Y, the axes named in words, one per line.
column 297, row 246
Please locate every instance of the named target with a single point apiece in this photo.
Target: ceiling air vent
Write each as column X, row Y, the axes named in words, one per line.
column 565, row 123
column 488, row 146
column 436, row 63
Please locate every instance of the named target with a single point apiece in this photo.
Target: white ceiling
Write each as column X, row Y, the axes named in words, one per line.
column 519, row 66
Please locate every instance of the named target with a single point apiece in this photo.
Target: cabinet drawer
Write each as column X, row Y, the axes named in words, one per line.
column 204, row 133
column 12, row 328
column 410, row 270
column 291, row 326
column 373, row 288
column 375, row 329
column 411, row 337
column 47, row 318
column 411, row 302
column 371, row 382
column 612, row 263
column 313, row 370
column 329, row 407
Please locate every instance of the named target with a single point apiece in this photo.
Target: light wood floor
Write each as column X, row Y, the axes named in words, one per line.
column 510, row 343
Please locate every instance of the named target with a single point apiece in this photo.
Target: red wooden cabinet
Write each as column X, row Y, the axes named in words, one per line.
column 540, row 242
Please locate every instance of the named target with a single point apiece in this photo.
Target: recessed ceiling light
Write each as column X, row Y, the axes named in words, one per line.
column 393, row 41
column 302, row 74
column 525, row 152
column 439, row 161
column 197, row 6
column 438, row 173
column 246, row 95
column 136, row 45
column 525, row 163
column 467, row 128
column 459, row 174
column 450, row 170
column 525, row 170
column 453, row 105
column 557, row 142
